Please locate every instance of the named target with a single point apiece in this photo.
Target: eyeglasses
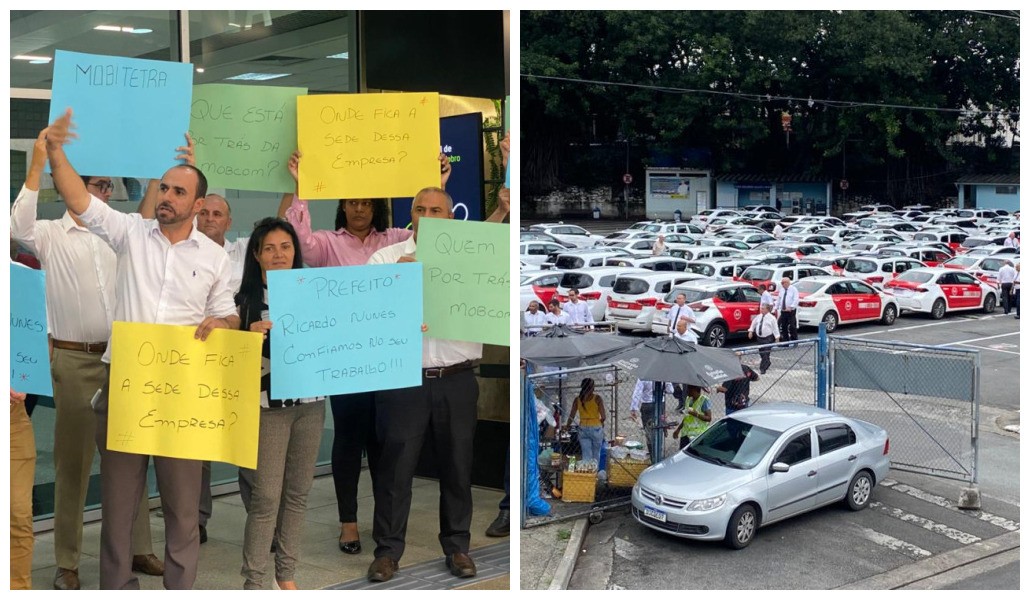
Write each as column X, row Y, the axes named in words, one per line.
column 103, row 186
column 359, row 204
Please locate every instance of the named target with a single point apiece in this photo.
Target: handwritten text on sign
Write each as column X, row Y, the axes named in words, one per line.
column 30, row 353
column 173, row 395
column 368, row 145
column 244, row 135
column 138, row 107
column 342, row 330
column 466, row 279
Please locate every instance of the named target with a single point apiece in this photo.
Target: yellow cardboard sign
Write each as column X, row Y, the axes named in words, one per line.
column 173, row 395
column 368, row 145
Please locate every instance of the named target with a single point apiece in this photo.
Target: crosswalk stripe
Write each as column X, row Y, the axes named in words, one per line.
column 987, row 517
column 954, row 534
column 894, row 543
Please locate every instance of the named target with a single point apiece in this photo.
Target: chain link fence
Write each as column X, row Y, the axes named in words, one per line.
column 926, row 397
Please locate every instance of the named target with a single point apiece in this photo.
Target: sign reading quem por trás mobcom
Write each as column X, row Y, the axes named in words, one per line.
column 343, row 330
column 130, row 113
column 466, row 280
column 174, row 395
column 243, row 135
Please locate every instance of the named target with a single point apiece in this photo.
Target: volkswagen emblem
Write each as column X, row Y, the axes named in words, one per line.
column 659, row 499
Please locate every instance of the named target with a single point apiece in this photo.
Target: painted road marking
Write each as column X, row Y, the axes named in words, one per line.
column 948, row 532
column 893, row 543
column 990, row 337
column 988, row 348
column 948, row 504
column 936, row 324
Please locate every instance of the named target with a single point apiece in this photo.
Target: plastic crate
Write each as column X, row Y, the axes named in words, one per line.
column 624, row 472
column 578, row 487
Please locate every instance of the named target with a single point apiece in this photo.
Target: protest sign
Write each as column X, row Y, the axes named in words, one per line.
column 30, row 351
column 343, row 330
column 174, row 395
column 130, row 114
column 368, row 145
column 466, row 279
column 243, row 135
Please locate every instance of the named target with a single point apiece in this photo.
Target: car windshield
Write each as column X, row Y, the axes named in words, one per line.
column 639, row 226
column 568, row 262
column 701, row 269
column 653, row 228
column 860, row 266
column 630, row 287
column 691, row 294
column 733, row 443
column 806, row 286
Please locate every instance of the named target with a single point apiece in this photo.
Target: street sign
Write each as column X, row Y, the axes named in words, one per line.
column 627, row 179
column 843, row 184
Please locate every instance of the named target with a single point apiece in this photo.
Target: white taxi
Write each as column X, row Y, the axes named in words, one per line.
column 939, row 290
column 631, row 303
column 722, row 309
column 841, row 301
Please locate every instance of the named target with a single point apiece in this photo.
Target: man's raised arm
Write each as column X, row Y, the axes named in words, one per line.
column 68, row 183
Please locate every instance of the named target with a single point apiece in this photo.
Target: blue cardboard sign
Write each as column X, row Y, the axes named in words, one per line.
column 131, row 114
column 343, row 330
column 30, row 351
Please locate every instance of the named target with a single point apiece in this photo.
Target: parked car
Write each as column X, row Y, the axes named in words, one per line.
column 772, row 275
column 535, row 253
column 705, row 252
column 719, row 269
column 577, row 258
column 927, row 255
column 651, row 263
column 842, row 301
column 631, row 304
column 594, row 285
column 876, row 270
column 539, row 286
column 940, row 290
column 722, row 309
column 758, row 466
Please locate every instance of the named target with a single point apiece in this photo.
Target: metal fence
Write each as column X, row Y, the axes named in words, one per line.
column 926, row 397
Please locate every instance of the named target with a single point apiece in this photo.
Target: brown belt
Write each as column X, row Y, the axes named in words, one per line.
column 438, row 372
column 89, row 348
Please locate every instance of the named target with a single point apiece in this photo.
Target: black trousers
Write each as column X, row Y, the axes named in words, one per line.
column 445, row 411
column 788, row 326
column 647, row 418
column 354, row 423
column 763, row 366
column 1006, row 297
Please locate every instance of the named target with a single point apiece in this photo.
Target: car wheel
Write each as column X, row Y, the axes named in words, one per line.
column 742, row 527
column 715, row 336
column 937, row 312
column 889, row 314
column 990, row 303
column 830, row 320
column 860, row 490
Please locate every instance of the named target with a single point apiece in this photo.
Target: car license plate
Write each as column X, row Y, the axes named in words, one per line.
column 620, row 305
column 902, row 292
column 655, row 514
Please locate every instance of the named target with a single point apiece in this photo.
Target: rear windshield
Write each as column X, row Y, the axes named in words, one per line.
column 962, row 261
column 576, row 280
column 975, row 242
column 701, row 269
column 569, row 262
column 807, row 286
column 693, row 295
column 630, row 286
column 819, row 262
column 860, row 266
column 925, row 237
column 915, row 276
column 757, row 274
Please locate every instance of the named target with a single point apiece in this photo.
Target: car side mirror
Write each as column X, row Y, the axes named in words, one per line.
column 779, row 467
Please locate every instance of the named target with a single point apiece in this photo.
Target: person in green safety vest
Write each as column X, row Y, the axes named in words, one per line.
column 696, row 418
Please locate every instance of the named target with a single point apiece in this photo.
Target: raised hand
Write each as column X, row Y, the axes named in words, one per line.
column 186, row 152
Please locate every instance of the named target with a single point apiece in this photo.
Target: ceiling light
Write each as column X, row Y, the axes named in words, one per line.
column 44, row 61
column 107, row 28
column 258, row 76
column 200, row 69
column 33, row 59
column 342, row 55
column 123, row 29
column 143, row 30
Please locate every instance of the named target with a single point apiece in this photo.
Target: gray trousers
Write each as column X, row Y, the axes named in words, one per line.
column 287, row 449
column 76, row 377
column 123, row 477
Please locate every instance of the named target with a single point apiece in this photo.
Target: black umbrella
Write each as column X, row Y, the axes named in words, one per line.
column 564, row 347
column 673, row 360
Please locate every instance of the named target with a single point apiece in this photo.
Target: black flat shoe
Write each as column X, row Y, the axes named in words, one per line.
column 351, row 547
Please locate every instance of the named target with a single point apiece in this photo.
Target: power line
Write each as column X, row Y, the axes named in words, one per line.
column 994, row 14
column 768, row 97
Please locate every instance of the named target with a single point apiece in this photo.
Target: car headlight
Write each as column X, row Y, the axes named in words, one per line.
column 707, row 504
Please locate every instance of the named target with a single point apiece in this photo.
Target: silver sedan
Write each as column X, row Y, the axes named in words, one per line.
column 758, row 466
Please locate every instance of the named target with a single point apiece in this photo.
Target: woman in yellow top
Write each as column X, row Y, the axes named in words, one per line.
column 591, row 420
column 696, row 418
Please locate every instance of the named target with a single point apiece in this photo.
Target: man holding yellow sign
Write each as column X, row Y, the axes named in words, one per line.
column 168, row 273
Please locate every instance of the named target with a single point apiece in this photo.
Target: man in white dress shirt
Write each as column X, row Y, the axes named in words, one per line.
column 1011, row 241
column 766, row 296
column 1006, row 277
column 764, row 328
column 684, row 332
column 786, row 308
column 534, row 319
column 679, row 311
column 80, row 276
column 578, row 311
column 168, row 273
column 444, row 408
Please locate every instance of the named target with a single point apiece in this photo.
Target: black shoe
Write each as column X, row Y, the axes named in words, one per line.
column 461, row 565
column 203, row 534
column 500, row 526
column 351, row 547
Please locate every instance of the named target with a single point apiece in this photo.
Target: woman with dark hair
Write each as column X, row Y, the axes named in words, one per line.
column 361, row 231
column 590, row 409
column 290, row 430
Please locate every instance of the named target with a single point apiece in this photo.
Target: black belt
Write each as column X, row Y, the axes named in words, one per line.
column 439, row 372
column 89, row 348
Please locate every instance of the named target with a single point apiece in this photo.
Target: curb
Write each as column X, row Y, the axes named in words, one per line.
column 924, row 569
column 567, row 564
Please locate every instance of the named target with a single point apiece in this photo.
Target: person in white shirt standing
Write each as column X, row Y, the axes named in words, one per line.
column 80, row 280
column 786, row 308
column 578, row 311
column 659, row 246
column 679, row 311
column 555, row 314
column 767, row 298
column 684, row 332
column 534, row 318
column 765, row 331
column 1011, row 241
column 1006, row 278
column 778, row 231
column 168, row 273
column 1015, row 289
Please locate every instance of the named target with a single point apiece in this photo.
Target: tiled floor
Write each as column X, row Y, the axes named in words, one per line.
column 321, row 562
